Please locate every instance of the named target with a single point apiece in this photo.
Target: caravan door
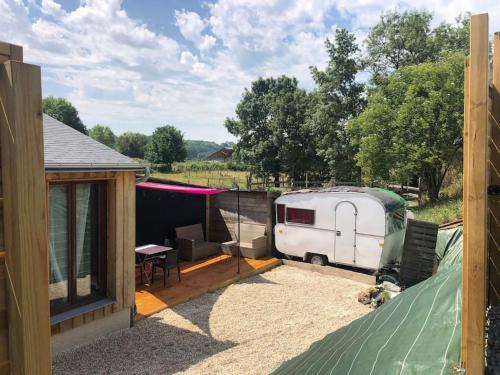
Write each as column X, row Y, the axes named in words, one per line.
column 345, row 236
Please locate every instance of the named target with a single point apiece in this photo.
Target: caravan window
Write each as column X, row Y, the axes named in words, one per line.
column 299, row 216
column 280, row 213
column 395, row 221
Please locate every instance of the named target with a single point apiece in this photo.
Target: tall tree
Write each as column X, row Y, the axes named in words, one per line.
column 132, row 144
column 166, row 146
column 270, row 126
column 103, row 134
column 338, row 98
column 62, row 110
column 448, row 37
column 413, row 124
column 403, row 39
column 399, row 39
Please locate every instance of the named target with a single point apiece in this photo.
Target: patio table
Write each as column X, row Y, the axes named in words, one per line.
column 147, row 252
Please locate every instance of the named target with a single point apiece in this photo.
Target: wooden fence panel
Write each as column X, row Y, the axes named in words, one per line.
column 223, row 213
column 494, row 165
column 475, row 213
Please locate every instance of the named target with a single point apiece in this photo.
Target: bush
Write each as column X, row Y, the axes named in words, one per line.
column 161, row 168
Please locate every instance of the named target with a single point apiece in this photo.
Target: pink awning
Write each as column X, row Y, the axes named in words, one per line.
column 179, row 189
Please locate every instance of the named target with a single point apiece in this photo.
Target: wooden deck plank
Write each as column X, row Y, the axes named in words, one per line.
column 197, row 278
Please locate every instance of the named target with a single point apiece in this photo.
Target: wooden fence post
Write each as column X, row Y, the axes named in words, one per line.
column 269, row 222
column 23, row 177
column 475, row 213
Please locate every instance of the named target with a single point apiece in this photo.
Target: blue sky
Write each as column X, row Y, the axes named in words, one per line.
column 135, row 65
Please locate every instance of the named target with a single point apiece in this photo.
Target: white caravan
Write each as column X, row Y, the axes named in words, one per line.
column 361, row 227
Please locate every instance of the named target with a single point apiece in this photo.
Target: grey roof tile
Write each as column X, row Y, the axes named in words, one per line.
column 67, row 149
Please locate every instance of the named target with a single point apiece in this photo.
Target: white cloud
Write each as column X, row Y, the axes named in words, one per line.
column 51, row 8
column 191, row 27
column 119, row 72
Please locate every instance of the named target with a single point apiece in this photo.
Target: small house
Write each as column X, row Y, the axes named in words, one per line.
column 224, row 154
column 91, row 232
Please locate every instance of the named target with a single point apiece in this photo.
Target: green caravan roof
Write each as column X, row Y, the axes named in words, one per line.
column 390, row 200
column 393, row 196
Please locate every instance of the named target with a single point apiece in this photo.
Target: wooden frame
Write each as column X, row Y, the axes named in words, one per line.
column 120, row 241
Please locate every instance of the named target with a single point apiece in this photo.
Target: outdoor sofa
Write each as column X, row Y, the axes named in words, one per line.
column 192, row 244
column 253, row 241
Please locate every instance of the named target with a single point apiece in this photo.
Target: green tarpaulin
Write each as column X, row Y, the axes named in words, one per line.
column 417, row 332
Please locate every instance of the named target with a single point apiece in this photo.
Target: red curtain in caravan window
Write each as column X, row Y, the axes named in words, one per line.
column 299, row 216
column 280, row 213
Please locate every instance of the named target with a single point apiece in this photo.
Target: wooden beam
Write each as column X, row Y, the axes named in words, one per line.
column 23, row 179
column 10, row 52
column 269, row 222
column 128, row 250
column 474, row 298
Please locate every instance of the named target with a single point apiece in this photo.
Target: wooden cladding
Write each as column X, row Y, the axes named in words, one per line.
column 4, row 331
column 85, row 318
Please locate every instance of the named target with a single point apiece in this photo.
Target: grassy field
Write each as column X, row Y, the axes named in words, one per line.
column 223, row 179
column 441, row 212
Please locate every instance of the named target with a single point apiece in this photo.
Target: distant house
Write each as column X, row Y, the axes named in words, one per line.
column 91, row 231
column 224, row 154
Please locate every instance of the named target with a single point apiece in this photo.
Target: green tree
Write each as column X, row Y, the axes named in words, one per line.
column 104, row 135
column 413, row 124
column 62, row 110
column 270, row 127
column 166, row 146
column 448, row 37
column 403, row 39
column 337, row 99
column 132, row 144
column 399, row 39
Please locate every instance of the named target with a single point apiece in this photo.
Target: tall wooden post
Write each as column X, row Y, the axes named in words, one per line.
column 475, row 196
column 269, row 222
column 25, row 232
column 466, row 177
column 207, row 217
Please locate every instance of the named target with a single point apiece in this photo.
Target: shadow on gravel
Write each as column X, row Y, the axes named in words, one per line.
column 151, row 347
column 198, row 311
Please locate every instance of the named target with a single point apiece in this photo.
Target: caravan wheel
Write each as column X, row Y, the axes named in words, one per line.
column 319, row 260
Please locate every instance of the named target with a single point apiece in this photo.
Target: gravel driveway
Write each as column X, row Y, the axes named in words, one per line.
column 250, row 327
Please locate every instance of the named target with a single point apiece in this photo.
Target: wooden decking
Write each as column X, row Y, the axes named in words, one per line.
column 197, row 278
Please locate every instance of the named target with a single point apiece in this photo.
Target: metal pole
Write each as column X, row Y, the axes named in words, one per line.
column 239, row 242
